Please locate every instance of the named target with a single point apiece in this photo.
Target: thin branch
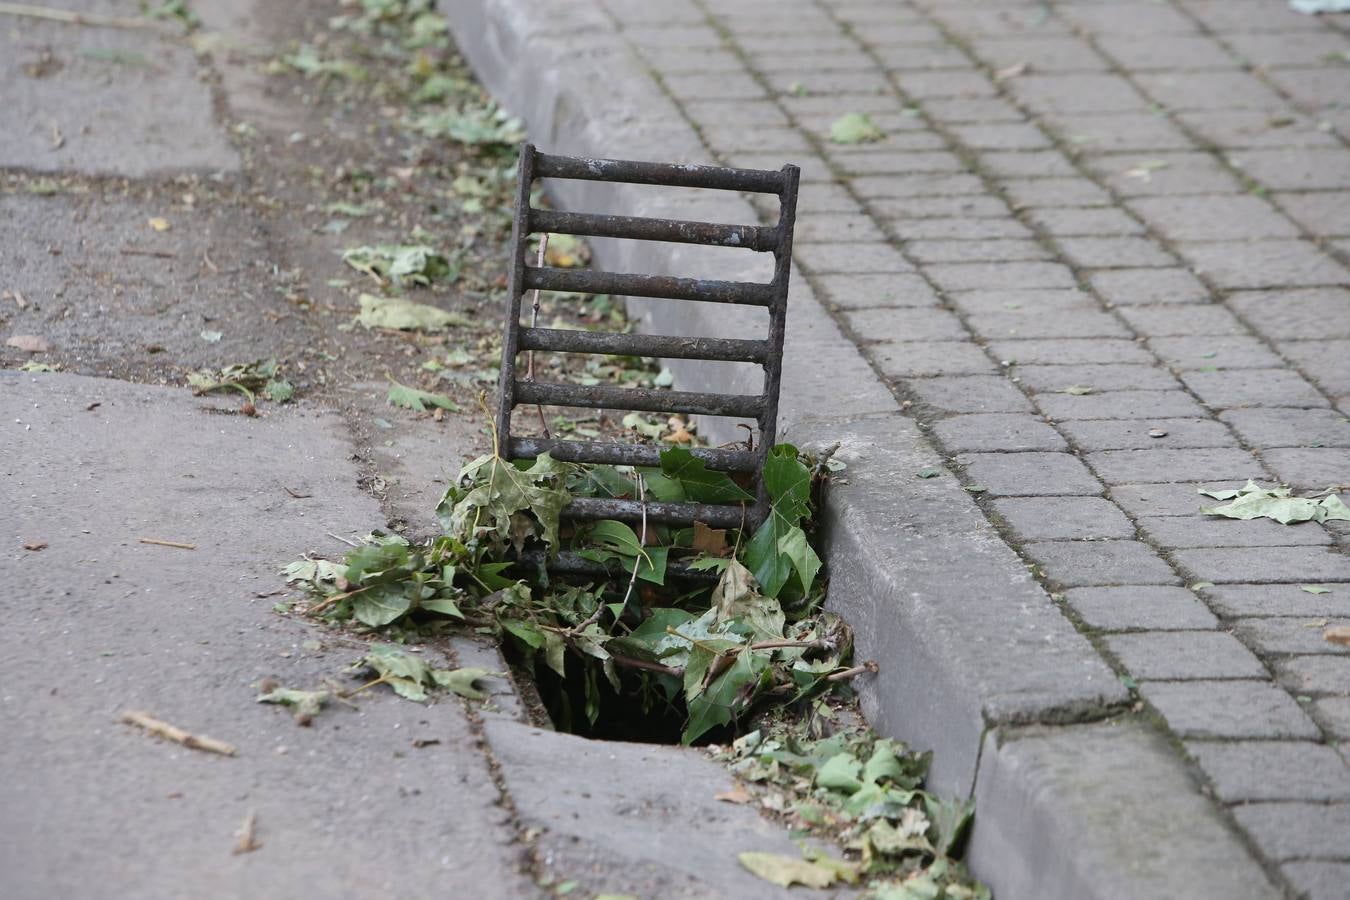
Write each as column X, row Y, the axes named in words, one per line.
column 534, row 321
column 67, row 17
column 846, row 674
column 629, row 663
column 817, row 644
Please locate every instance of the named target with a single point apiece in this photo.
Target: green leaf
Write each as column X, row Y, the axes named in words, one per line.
column 726, row 697
column 1255, row 502
column 699, row 483
column 786, row 871
column 855, row 128
column 951, row 821
column 1314, row 589
column 443, row 605
column 928, row 472
column 490, row 491
column 306, row 704
column 279, row 391
column 418, row 400
column 735, row 599
column 1078, row 390
column 462, row 680
column 841, row 773
column 805, row 562
column 788, row 482
column 380, row 605
column 406, row 674
column 405, row 315
column 402, row 263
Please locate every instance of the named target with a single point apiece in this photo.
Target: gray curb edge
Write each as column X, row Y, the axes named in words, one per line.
column 978, row 664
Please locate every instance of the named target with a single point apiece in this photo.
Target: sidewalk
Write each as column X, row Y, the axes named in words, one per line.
column 1099, row 258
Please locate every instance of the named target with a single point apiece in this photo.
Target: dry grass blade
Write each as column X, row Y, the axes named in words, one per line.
column 174, row 733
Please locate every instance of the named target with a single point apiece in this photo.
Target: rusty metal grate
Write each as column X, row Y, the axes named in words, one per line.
column 514, row 391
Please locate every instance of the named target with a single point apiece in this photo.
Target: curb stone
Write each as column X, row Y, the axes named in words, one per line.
column 978, row 664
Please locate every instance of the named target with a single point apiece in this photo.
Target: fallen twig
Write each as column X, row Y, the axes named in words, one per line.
column 629, row 663
column 846, row 674
column 338, row 537
column 534, row 320
column 69, row 17
column 178, row 544
column 1337, row 634
column 176, row 734
column 246, row 843
column 137, row 251
column 296, row 494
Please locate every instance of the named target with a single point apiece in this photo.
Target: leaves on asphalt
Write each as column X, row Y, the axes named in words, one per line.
column 417, row 264
column 411, row 677
column 785, row 871
column 1255, row 502
column 305, row 704
column 418, row 400
column 250, row 379
column 406, row 315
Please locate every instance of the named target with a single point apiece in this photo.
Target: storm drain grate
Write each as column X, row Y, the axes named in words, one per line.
column 518, row 338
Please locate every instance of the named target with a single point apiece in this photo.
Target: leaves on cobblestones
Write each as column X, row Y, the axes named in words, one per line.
column 405, row 315
column 855, row 128
column 1255, row 502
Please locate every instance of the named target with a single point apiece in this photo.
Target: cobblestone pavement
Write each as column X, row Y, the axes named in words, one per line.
column 1148, row 199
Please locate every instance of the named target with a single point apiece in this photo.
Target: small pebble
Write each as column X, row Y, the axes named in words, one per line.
column 1157, row 433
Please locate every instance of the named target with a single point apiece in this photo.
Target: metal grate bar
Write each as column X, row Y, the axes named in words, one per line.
column 749, row 237
column 757, row 181
column 561, row 340
column 614, row 454
column 604, row 396
column 668, row 287
column 590, row 508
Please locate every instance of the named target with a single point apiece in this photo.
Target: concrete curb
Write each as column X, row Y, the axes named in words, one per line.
column 978, row 663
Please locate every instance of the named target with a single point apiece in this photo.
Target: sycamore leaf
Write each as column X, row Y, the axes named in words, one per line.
column 928, row 472
column 700, row 484
column 405, row 315
column 306, row 704
column 418, row 400
column 786, row 871
column 1314, row 589
column 408, row 675
column 725, row 697
column 461, row 681
column 855, row 128
column 841, row 773
column 1255, row 502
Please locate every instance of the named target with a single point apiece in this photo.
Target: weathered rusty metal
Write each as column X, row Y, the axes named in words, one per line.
column 767, row 352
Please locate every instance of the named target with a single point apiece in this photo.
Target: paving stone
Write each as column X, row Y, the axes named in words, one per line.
column 982, row 110
column 1332, row 714
column 1163, row 499
column 1319, row 90
column 1131, row 607
column 1239, row 600
column 1287, row 831
column 880, row 186
column 1313, row 674
column 1272, row 770
column 1229, row 709
column 1298, row 169
column 959, row 229
column 851, row 258
column 1273, row 50
column 836, row 227
column 1290, row 427
column 1032, row 323
column 1326, row 362
column 1025, row 164
column 1114, row 252
column 1102, row 377
column 1317, row 880
column 1163, row 174
column 1119, row 405
column 975, row 251
column 1253, row 387
column 1309, row 468
column 970, row 394
column 731, row 138
column 864, row 291
column 1030, row 474
column 1224, row 217
column 1043, row 301
column 1063, row 518
column 1134, row 434
column 1084, row 92
column 714, row 86
column 906, row 325
column 1182, row 321
column 964, row 207
column 1093, row 563
column 1193, row 531
column 1324, row 214
column 1214, row 352
column 997, row 431
column 1136, row 466
column 1097, row 222
column 1210, row 90
column 1285, row 634
column 1177, row 655
column 1001, row 136
column 1117, row 132
column 1272, row 565
column 1129, row 20
column 1255, row 128
column 944, row 85
column 1071, row 352
column 1057, row 192
column 1175, row 51
column 896, row 162
column 1291, row 315
column 1145, row 287
column 974, row 276
column 1052, row 53
column 1261, row 264
column 910, row 359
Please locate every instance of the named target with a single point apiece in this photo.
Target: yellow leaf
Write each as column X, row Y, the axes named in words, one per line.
column 159, row 224
column 786, row 871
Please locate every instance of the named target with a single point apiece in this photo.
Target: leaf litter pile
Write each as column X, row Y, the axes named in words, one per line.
column 747, row 646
